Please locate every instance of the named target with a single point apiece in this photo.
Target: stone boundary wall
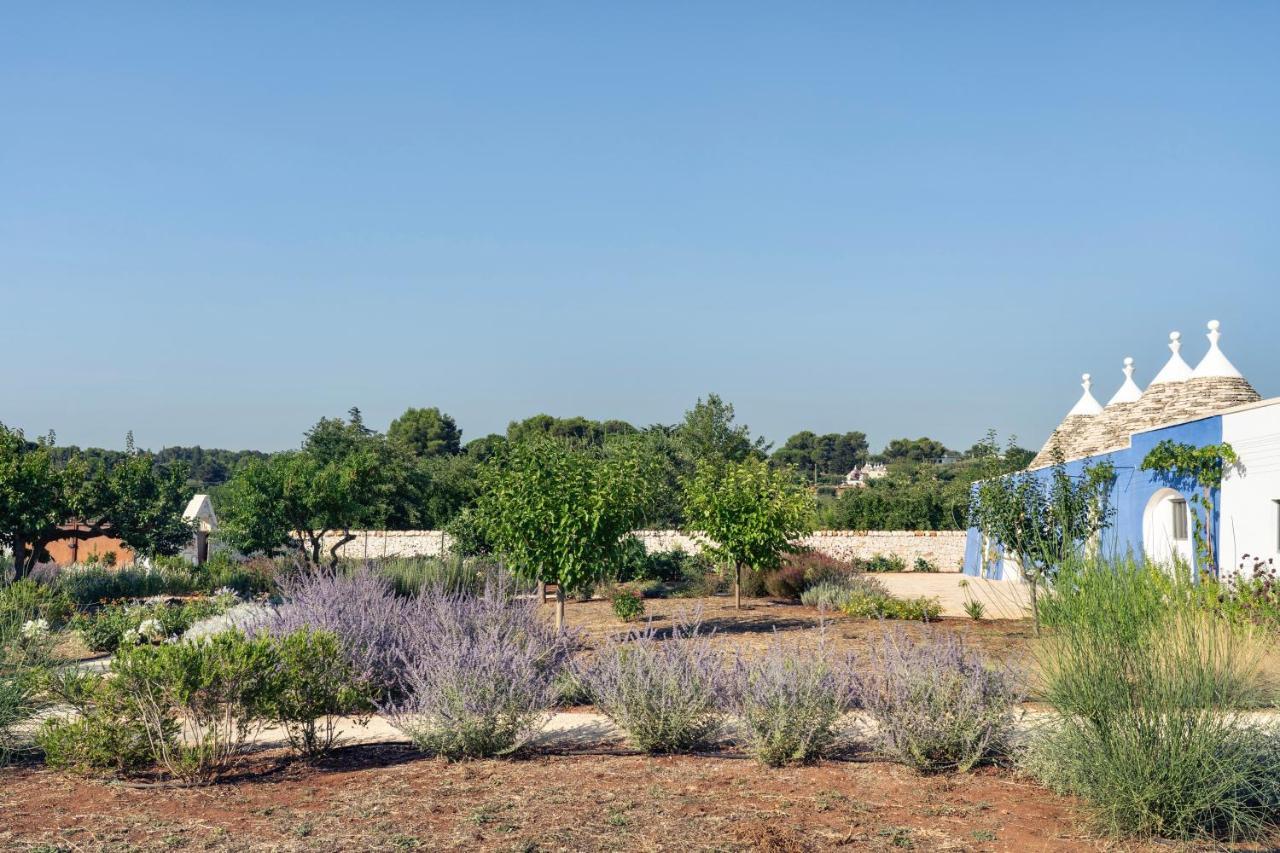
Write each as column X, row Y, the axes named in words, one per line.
column 943, row 548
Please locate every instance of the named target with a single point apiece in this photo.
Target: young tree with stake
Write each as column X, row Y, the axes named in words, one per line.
column 750, row 512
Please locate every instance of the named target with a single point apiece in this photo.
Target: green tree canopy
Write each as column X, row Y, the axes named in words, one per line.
column 425, row 432
column 914, row 450
column 557, row 510
column 345, row 476
column 135, row 499
column 708, row 434
column 750, row 512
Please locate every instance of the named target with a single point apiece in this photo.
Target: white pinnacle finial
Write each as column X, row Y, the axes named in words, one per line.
column 1087, row 404
column 1214, row 362
column 1129, row 391
column 1175, row 369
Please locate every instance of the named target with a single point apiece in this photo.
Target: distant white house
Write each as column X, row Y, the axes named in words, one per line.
column 863, row 474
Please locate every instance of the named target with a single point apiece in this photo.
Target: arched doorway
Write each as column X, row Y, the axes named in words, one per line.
column 1166, row 529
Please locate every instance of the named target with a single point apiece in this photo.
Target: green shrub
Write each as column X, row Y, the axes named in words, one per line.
column 923, row 565
column 110, row 626
column 1151, row 690
column 975, row 609
column 886, row 563
column 215, row 686
column 256, row 576
column 870, row 605
column 26, row 600
column 105, row 736
column 627, row 606
column 90, row 584
column 313, row 684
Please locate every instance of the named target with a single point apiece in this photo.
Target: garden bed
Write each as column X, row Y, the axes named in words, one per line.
column 389, row 797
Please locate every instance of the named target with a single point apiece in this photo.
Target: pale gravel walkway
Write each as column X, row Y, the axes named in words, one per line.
column 1002, row 599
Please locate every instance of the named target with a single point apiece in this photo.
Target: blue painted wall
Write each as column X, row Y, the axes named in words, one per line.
column 1132, row 491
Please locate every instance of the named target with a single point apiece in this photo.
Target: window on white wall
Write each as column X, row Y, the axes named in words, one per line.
column 1179, row 525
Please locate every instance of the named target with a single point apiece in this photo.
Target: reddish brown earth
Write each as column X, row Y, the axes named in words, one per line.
column 390, row 798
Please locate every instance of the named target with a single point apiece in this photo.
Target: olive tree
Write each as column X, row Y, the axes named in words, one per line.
column 750, row 512
column 556, row 511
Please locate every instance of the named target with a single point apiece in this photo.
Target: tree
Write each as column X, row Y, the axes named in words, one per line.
column 576, row 429
column 749, row 512
column 828, row 454
column 709, row 434
column 345, row 476
column 557, row 510
column 131, row 498
column 914, row 450
column 425, row 432
column 1042, row 521
column 1187, row 467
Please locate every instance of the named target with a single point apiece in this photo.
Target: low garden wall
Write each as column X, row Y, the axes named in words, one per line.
column 943, row 548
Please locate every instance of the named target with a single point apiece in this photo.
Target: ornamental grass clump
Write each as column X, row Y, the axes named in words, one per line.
column 790, row 700
column 1152, row 686
column 479, row 674
column 937, row 705
column 666, row 693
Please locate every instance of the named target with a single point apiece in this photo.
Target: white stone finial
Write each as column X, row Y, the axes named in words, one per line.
column 1175, row 369
column 1214, row 362
column 1129, row 391
column 1087, row 404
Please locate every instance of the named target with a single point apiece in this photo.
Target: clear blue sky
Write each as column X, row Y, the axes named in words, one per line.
column 221, row 221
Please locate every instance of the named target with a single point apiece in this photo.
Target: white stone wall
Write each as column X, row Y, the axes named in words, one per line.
column 945, row 549
column 1249, row 507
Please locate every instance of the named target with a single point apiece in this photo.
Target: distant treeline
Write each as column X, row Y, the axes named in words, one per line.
column 420, row 474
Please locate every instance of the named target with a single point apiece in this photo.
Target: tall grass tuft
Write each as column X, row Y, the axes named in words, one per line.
column 1151, row 686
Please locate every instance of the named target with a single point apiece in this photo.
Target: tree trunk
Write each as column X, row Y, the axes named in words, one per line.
column 737, row 586
column 19, row 553
column 559, row 606
column 542, row 592
column 343, row 540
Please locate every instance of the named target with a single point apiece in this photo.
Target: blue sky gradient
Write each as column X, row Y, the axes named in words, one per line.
column 220, row 222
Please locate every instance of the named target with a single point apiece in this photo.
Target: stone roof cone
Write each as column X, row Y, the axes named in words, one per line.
column 1106, row 432
column 1215, row 384
column 1163, row 401
column 1066, row 437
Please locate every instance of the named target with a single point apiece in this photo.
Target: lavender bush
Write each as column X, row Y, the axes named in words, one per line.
column 666, row 694
column 937, row 705
column 479, row 673
column 360, row 608
column 790, row 700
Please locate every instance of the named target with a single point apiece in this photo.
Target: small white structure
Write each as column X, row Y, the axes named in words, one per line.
column 200, row 512
column 859, row 476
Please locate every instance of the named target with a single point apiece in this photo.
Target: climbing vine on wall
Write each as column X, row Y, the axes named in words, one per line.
column 1186, row 467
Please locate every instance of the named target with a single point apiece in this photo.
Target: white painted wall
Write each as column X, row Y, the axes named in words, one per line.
column 1249, row 513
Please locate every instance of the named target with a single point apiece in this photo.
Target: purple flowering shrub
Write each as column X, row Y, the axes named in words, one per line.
column 936, row 704
column 790, row 700
column 667, row 694
column 479, row 672
column 360, row 608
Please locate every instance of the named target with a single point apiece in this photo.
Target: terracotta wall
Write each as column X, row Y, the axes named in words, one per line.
column 61, row 553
